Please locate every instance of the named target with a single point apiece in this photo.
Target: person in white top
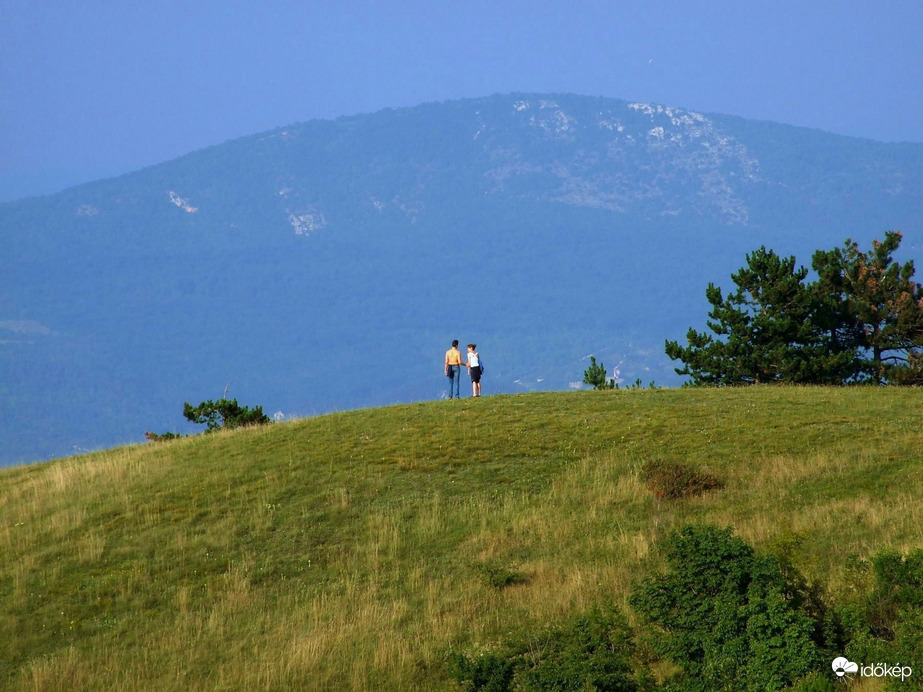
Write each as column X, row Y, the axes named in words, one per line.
column 474, row 369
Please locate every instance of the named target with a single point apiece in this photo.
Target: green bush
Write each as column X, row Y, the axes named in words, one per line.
column 726, row 616
column 887, row 623
column 490, row 672
column 591, row 652
column 816, row 682
column 162, row 437
column 498, row 576
column 224, row 413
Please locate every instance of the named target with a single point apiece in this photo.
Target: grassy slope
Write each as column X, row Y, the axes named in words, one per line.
column 343, row 550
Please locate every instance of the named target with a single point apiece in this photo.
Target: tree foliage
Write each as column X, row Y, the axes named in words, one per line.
column 862, row 319
column 728, row 617
column 886, row 622
column 591, row 651
column 596, row 375
column 879, row 306
column 224, row 413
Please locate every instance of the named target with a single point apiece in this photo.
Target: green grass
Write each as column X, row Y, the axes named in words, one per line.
column 350, row 550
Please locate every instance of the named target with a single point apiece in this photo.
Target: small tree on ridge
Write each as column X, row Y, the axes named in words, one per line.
column 224, row 413
column 596, row 375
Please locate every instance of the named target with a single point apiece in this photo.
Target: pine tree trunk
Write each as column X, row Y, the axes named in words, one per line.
column 879, row 368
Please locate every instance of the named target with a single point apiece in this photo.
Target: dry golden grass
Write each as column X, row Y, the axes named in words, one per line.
column 343, row 552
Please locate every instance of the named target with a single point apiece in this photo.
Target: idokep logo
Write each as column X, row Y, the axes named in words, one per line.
column 843, row 666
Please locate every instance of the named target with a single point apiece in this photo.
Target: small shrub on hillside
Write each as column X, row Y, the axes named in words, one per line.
column 498, row 576
column 162, row 437
column 669, row 480
column 224, row 413
column 637, row 384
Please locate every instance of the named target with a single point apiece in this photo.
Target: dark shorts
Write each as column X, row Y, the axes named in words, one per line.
column 476, row 374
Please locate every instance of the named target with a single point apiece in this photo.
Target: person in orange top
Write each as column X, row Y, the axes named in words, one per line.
column 453, row 363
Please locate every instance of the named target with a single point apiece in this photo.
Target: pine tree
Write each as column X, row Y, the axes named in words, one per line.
column 224, row 413
column 878, row 307
column 596, row 375
column 769, row 327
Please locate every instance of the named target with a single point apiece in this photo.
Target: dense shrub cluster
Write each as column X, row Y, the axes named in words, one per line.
column 727, row 618
column 886, row 624
column 591, row 652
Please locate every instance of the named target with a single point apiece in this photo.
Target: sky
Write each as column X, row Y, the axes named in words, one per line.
column 97, row 88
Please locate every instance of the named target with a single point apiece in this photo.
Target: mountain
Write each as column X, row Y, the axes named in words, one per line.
column 327, row 265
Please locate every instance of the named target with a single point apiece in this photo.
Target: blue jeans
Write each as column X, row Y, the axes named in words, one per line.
column 455, row 372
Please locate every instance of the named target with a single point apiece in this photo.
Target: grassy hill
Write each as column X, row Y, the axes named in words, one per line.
column 354, row 550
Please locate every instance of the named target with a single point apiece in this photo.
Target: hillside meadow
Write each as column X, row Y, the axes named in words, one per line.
column 357, row 550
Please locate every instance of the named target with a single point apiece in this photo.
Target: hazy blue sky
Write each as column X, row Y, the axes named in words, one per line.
column 99, row 87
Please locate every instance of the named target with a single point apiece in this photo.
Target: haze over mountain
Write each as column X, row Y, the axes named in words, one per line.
column 326, row 265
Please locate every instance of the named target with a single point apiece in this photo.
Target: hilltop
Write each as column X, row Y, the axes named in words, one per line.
column 326, row 265
column 350, row 549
